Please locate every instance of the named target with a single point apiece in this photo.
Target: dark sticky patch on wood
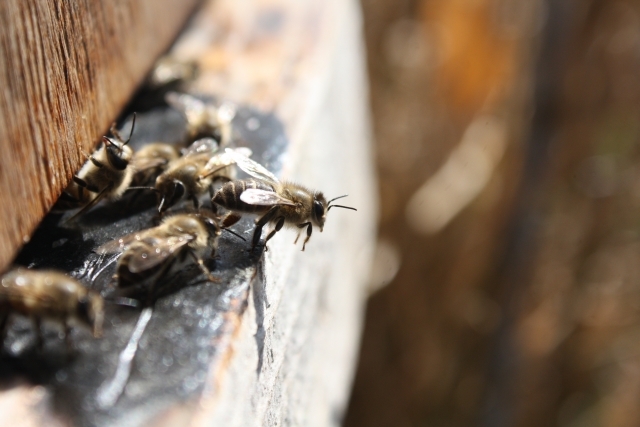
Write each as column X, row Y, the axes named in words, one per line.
column 181, row 349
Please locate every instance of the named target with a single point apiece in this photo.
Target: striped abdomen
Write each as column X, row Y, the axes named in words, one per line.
column 228, row 196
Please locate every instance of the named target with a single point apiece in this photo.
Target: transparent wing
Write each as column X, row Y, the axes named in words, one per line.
column 146, row 255
column 225, row 159
column 251, row 167
column 192, row 108
column 254, row 196
column 201, row 146
column 226, row 112
column 122, row 244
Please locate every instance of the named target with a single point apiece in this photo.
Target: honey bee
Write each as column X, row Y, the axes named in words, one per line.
column 150, row 161
column 49, row 295
column 149, row 255
column 193, row 174
column 106, row 174
column 204, row 120
column 278, row 202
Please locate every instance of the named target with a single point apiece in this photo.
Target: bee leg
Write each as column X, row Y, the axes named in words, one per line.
column 309, row 230
column 67, row 197
column 92, row 203
column 38, row 332
column 271, row 213
column 84, row 185
column 277, row 228
column 196, row 201
column 96, row 162
column 203, row 267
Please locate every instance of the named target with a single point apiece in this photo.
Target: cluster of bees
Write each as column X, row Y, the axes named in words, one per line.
column 207, row 164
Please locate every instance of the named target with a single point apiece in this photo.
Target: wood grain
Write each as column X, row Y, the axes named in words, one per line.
column 66, row 71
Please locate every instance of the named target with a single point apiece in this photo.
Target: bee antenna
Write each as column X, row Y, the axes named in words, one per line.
column 336, row 198
column 234, row 233
column 133, row 125
column 340, row 206
column 108, row 141
column 127, row 302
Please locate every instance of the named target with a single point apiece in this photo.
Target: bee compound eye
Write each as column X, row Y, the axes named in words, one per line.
column 178, row 192
column 318, row 210
column 115, row 158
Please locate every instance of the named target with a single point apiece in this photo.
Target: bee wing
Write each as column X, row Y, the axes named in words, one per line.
column 253, row 196
column 225, row 159
column 121, row 244
column 225, row 112
column 147, row 256
column 251, row 167
column 201, row 146
column 192, row 108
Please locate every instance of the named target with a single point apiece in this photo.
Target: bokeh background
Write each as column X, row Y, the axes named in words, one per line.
column 508, row 150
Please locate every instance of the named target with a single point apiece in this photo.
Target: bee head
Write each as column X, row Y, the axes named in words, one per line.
column 91, row 312
column 319, row 212
column 170, row 191
column 118, row 155
column 211, row 223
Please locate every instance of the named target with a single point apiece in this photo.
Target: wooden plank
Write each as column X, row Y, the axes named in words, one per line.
column 67, row 70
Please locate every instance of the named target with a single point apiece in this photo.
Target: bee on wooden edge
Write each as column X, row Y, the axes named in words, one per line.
column 280, row 203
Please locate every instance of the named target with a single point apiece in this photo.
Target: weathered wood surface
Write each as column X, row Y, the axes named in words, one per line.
column 68, row 68
column 285, row 350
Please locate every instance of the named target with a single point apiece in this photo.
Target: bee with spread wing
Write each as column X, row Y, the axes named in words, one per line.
column 278, row 202
column 150, row 255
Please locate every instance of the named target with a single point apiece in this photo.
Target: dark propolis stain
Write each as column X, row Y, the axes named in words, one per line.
column 177, row 347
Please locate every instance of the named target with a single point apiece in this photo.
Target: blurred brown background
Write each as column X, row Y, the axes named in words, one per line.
column 507, row 137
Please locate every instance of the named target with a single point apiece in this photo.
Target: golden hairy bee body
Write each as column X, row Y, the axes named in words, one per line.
column 106, row 174
column 150, row 161
column 49, row 295
column 150, row 255
column 280, row 203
